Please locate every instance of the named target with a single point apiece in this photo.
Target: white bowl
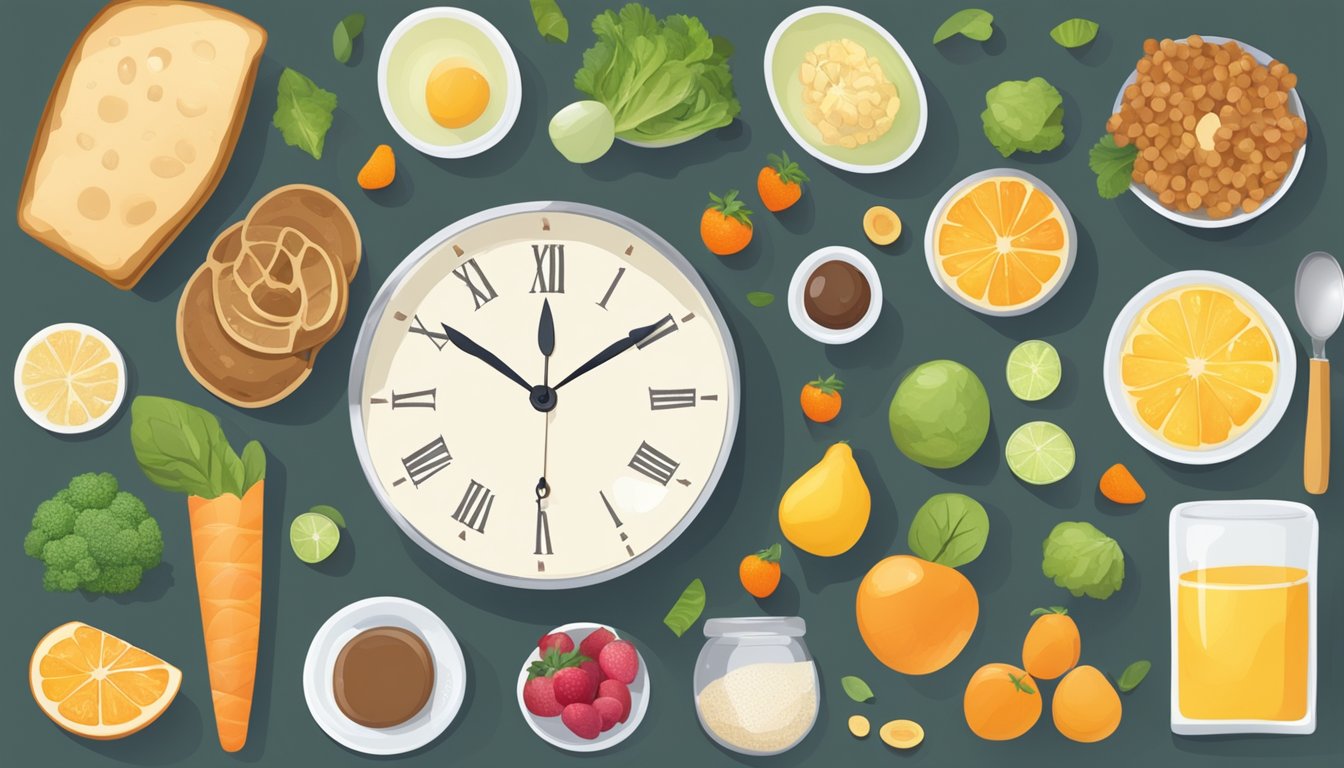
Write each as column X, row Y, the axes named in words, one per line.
column 450, row 676
column 1070, row 229
column 553, row 731
column 115, row 357
column 798, row 285
column 1283, row 382
column 1200, row 219
column 807, row 145
column 513, row 97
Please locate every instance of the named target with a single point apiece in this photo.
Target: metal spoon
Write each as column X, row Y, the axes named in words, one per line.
column 1319, row 294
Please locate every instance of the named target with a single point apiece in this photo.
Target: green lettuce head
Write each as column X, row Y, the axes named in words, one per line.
column 939, row 415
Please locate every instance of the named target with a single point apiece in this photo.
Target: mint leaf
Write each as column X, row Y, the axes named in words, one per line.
column 760, row 299
column 343, row 37
column 974, row 23
column 551, row 21
column 950, row 529
column 686, row 611
column 1134, row 674
column 856, row 688
column 303, row 112
column 1074, row 32
column 1113, row 165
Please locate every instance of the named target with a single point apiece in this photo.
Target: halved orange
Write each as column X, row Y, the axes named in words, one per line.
column 1199, row 366
column 1001, row 243
column 99, row 686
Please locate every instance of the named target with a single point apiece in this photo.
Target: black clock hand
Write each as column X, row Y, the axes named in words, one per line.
column 616, row 348
column 476, row 350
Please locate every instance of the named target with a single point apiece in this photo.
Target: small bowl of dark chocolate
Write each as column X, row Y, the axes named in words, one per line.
column 835, row 295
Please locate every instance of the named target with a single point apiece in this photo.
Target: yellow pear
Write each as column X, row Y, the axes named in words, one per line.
column 825, row 511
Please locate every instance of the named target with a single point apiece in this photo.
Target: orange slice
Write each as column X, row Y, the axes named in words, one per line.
column 98, row 686
column 70, row 378
column 1001, row 243
column 1198, row 366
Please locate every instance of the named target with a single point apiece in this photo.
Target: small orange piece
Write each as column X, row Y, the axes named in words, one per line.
column 725, row 226
column 380, row 169
column 1002, row 702
column 881, row 225
column 1119, row 485
column 759, row 572
column 1086, row 707
column 1053, row 645
column 820, row 398
column 780, row 182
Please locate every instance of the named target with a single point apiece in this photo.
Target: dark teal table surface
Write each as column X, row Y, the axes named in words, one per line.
column 1122, row 247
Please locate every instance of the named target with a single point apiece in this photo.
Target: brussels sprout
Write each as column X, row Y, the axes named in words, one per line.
column 583, row 131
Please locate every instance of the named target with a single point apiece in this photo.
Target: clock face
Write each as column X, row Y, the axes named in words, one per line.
column 458, row 413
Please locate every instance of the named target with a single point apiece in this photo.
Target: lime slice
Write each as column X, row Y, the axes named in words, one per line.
column 1033, row 370
column 1040, row 453
column 314, row 537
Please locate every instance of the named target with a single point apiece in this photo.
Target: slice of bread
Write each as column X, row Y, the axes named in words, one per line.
column 138, row 131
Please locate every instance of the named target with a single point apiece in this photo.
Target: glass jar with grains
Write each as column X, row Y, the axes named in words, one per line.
column 755, row 684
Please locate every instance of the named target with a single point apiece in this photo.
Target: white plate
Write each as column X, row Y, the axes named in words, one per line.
column 450, row 675
column 1070, row 229
column 553, row 731
column 1201, row 220
column 513, row 97
column 798, row 285
column 117, row 360
column 1283, row 383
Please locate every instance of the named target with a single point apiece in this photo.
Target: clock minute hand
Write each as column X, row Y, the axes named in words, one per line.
column 634, row 337
column 484, row 355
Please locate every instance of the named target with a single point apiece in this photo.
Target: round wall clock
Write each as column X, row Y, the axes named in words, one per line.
column 544, row 395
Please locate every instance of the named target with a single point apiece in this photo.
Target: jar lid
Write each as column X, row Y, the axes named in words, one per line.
column 786, row 626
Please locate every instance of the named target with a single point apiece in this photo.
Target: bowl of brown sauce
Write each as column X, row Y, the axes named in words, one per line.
column 835, row 296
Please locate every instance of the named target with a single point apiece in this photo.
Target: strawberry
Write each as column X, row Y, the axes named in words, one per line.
column 725, row 225
column 539, row 697
column 779, row 183
column 592, row 644
column 619, row 660
column 615, row 689
column 573, row 685
column 610, row 710
column 583, row 720
column 557, row 640
column 593, row 668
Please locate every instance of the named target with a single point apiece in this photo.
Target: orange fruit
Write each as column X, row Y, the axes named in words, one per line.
column 1001, row 243
column 1198, row 366
column 379, row 170
column 820, row 398
column 1118, row 485
column 70, row 378
column 914, row 615
column 99, row 686
column 1001, row 702
column 725, row 226
column 1053, row 645
column 759, row 572
column 1086, row 707
column 780, row 183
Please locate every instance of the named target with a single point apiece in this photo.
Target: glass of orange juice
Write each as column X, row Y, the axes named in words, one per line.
column 1243, row 617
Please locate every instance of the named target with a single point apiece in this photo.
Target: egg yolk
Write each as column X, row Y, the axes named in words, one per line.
column 456, row 94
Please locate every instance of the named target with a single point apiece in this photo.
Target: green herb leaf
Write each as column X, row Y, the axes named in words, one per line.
column 551, row 21
column 303, row 112
column 1134, row 674
column 687, row 609
column 1083, row 560
column 950, row 529
column 254, row 465
column 974, row 23
column 1023, row 115
column 1059, row 609
column 1074, row 32
column 343, row 37
column 855, row 688
column 760, row 299
column 329, row 512
column 181, row 448
column 1113, row 165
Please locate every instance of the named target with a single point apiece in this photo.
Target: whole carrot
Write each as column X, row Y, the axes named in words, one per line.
column 182, row 448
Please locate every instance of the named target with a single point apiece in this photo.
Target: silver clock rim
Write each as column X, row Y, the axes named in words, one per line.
column 374, row 315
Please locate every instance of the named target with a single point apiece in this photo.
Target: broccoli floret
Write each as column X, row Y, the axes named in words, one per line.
column 69, row 564
column 128, row 508
column 92, row 491
column 55, row 518
column 116, row 579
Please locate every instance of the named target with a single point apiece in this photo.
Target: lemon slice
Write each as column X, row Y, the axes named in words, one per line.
column 70, row 378
column 314, row 537
column 1040, row 453
column 1034, row 370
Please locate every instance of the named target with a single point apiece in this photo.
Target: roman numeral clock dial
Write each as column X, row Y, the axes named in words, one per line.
column 544, row 395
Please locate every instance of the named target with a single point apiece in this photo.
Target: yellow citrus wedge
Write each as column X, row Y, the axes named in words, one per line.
column 1198, row 366
column 98, row 686
column 1001, row 243
column 70, row 378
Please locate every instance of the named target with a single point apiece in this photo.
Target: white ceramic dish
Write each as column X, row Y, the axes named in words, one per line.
column 1283, row 383
column 1071, row 230
column 866, row 27
column 39, row 418
column 450, row 676
column 1201, row 220
column 798, row 285
column 513, row 89
column 553, row 731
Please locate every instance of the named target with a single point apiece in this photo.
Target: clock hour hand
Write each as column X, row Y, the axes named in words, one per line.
column 476, row 350
column 634, row 337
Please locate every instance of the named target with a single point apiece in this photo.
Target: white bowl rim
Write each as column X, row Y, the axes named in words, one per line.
column 621, row 731
column 114, row 354
column 900, row 52
column 512, row 100
column 798, row 284
column 1284, row 380
column 1204, row 222
column 1069, row 225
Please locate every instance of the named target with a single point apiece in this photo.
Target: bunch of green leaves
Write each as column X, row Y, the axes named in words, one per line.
column 1023, row 115
column 182, row 448
column 554, row 661
column 1113, row 165
column 1083, row 560
column 303, row 112
column 661, row 80
column 950, row 529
